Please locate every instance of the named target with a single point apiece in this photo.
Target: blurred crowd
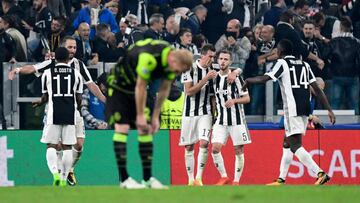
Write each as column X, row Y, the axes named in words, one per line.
column 324, row 33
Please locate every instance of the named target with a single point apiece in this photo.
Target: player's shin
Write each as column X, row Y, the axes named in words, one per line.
column 189, row 164
column 306, row 159
column 67, row 160
column 286, row 159
column 51, row 159
column 146, row 154
column 202, row 158
column 120, row 140
column 239, row 166
column 219, row 164
column 76, row 155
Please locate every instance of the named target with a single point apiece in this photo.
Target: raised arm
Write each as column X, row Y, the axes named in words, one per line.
column 27, row 69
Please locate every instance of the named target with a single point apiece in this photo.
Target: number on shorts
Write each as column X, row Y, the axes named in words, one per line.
column 245, row 138
column 208, row 133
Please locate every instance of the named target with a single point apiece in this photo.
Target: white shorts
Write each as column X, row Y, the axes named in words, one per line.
column 79, row 126
column 295, row 125
column 239, row 134
column 195, row 128
column 53, row 133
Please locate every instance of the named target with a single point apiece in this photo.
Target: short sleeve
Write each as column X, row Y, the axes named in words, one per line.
column 186, row 77
column 44, row 83
column 312, row 77
column 277, row 71
column 239, row 82
column 146, row 65
column 41, row 67
column 84, row 72
column 79, row 88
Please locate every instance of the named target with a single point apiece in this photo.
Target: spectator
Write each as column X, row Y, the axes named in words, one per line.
column 314, row 46
column 9, row 7
column 156, row 23
column 195, row 19
column 114, row 9
column 53, row 39
column 105, row 50
column 131, row 32
column 271, row 17
column 301, row 10
column 239, row 47
column 172, row 29
column 215, row 24
column 185, row 41
column 199, row 41
column 328, row 27
column 21, row 48
column 92, row 109
column 56, row 7
column 344, row 54
column 240, row 11
column 7, row 46
column 257, row 31
column 84, row 46
column 74, row 15
column 94, row 14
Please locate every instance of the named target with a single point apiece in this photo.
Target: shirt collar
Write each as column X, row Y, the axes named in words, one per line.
column 62, row 64
column 289, row 56
column 346, row 34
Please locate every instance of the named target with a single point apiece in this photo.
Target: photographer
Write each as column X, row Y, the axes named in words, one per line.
column 129, row 31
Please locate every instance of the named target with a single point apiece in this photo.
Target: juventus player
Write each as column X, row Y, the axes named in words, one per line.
column 230, row 119
column 197, row 118
column 62, row 87
column 70, row 44
column 295, row 78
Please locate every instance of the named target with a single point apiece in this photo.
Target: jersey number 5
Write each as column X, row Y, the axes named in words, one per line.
column 303, row 77
column 58, row 85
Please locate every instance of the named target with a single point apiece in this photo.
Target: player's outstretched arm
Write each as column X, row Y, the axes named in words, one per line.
column 96, row 91
column 322, row 98
column 255, row 80
column 163, row 93
column 27, row 69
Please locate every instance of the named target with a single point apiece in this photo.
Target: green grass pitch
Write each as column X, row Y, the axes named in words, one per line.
column 181, row 194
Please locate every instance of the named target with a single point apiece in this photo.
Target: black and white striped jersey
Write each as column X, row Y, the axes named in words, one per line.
column 295, row 77
column 61, row 83
column 224, row 92
column 198, row 104
column 73, row 63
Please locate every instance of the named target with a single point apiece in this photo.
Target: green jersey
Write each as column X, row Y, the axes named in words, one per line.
column 146, row 59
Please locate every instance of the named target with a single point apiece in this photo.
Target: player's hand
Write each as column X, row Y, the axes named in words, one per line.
column 12, row 74
column 230, row 103
column 155, row 124
column 141, row 123
column 26, row 26
column 232, row 77
column 211, row 74
column 36, row 103
column 332, row 117
column 49, row 55
column 320, row 63
column 103, row 125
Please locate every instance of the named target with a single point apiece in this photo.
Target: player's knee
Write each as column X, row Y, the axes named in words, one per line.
column 239, row 149
column 204, row 144
column 286, row 145
column 294, row 147
column 55, row 146
column 66, row 147
column 216, row 148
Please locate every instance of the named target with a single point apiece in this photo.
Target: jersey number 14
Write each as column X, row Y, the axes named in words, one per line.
column 303, row 78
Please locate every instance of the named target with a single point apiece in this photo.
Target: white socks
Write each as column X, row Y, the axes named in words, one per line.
column 51, row 159
column 239, row 166
column 189, row 163
column 67, row 160
column 76, row 157
column 59, row 161
column 202, row 157
column 286, row 159
column 306, row 159
column 219, row 163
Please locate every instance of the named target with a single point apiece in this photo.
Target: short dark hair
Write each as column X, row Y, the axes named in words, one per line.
column 285, row 47
column 61, row 54
column 61, row 20
column 317, row 17
column 206, row 48
column 66, row 38
column 225, row 51
column 155, row 18
column 10, row 19
column 273, row 2
column 183, row 31
column 300, row 4
column 345, row 24
column 286, row 16
column 308, row 22
column 101, row 28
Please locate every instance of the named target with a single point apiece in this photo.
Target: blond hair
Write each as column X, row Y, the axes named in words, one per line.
column 184, row 56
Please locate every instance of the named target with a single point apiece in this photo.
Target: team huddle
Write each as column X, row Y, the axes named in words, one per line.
column 213, row 108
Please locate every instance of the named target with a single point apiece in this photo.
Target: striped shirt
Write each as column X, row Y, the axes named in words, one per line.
column 224, row 92
column 199, row 103
column 294, row 77
column 73, row 63
column 61, row 83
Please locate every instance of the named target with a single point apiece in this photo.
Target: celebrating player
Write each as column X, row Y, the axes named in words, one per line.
column 230, row 119
column 295, row 78
column 62, row 87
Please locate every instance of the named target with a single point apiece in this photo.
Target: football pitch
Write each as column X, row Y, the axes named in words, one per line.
column 181, row 194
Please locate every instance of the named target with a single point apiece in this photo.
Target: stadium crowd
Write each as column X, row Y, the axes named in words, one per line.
column 323, row 32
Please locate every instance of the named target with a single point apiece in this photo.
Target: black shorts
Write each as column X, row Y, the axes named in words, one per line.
column 121, row 109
